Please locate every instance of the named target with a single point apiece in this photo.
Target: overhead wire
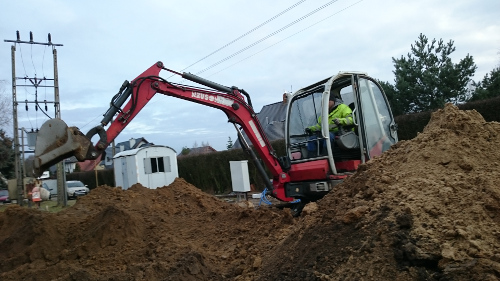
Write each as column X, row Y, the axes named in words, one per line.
column 268, row 36
column 285, row 38
column 45, row 83
column 31, row 54
column 247, row 33
column 25, row 89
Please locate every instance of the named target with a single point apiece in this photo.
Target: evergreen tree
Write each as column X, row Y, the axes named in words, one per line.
column 5, row 106
column 7, row 155
column 185, row 150
column 489, row 87
column 427, row 79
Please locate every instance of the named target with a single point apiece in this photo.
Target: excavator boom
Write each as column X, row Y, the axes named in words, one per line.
column 56, row 141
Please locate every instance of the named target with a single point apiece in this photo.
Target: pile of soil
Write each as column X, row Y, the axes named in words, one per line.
column 427, row 209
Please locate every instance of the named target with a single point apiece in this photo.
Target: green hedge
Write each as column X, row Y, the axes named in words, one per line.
column 411, row 124
column 211, row 172
column 104, row 177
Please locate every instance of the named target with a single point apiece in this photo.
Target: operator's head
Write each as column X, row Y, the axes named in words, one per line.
column 332, row 102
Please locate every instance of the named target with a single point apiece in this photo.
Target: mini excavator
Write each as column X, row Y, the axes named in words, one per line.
column 300, row 174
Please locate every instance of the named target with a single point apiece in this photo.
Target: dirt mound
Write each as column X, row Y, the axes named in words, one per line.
column 428, row 209
column 171, row 233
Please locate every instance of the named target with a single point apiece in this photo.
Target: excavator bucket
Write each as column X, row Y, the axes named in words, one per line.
column 55, row 142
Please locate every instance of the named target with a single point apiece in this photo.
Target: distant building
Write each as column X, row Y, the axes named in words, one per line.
column 272, row 119
column 132, row 143
column 198, row 150
column 70, row 164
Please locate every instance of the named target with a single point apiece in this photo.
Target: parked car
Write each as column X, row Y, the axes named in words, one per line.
column 76, row 188
column 4, row 196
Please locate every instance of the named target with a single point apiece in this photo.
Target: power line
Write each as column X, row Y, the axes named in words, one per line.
column 286, row 38
column 33, row 63
column 268, row 36
column 252, row 30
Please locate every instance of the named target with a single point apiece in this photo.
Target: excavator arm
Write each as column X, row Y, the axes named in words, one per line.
column 56, row 141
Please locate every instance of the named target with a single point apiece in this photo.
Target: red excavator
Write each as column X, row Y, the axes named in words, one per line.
column 302, row 173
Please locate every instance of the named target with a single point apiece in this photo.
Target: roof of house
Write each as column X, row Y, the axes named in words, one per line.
column 138, row 143
column 134, row 151
column 272, row 119
column 198, row 150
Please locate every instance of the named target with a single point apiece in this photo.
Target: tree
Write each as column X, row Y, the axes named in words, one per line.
column 28, row 165
column 229, row 144
column 5, row 109
column 489, row 87
column 427, row 79
column 396, row 104
column 77, row 168
column 7, row 155
column 185, row 150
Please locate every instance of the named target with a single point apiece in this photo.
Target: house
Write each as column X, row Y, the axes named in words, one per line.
column 197, row 150
column 272, row 119
column 132, row 143
column 70, row 164
column 152, row 166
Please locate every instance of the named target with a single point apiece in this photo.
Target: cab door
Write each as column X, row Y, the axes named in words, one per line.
column 376, row 126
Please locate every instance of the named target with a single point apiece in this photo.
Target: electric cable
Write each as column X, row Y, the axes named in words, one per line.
column 284, row 39
column 245, row 34
column 22, row 60
column 31, row 55
column 263, row 198
column 268, row 36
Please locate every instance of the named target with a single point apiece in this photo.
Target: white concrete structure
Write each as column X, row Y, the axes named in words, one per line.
column 152, row 166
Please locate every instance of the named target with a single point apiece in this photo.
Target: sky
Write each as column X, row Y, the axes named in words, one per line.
column 287, row 45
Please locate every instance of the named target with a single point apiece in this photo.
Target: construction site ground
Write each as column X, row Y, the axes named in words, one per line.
column 427, row 209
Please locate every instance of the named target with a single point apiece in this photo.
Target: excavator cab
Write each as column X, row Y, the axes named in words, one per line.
column 320, row 160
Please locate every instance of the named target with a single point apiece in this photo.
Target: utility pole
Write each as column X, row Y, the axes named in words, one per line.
column 35, row 82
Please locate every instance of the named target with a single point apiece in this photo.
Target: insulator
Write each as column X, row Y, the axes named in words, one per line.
column 46, row 108
column 18, row 36
column 50, row 38
column 26, row 105
column 31, row 36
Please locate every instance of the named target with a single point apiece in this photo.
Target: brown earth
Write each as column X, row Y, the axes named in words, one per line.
column 428, row 209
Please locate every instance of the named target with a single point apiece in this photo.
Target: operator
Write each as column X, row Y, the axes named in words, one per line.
column 339, row 115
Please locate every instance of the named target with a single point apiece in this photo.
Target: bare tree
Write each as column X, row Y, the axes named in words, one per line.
column 5, row 106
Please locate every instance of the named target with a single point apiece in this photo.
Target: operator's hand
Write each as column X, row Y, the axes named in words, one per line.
column 336, row 121
column 308, row 131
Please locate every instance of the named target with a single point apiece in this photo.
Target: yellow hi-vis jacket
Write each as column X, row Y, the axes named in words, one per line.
column 341, row 112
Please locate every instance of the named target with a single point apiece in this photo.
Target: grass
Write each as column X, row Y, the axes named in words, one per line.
column 49, row 206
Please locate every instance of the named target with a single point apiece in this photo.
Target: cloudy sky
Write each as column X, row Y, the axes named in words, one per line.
column 107, row 42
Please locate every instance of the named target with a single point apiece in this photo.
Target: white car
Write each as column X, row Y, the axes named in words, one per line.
column 76, row 188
